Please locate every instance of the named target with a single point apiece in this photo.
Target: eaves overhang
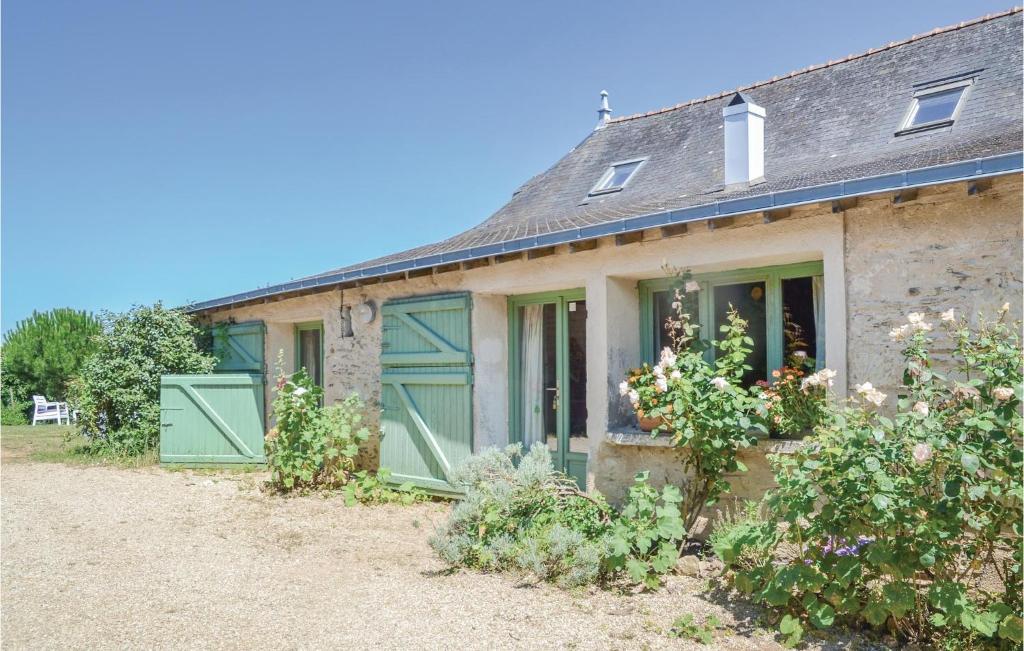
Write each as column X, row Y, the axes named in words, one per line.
column 978, row 168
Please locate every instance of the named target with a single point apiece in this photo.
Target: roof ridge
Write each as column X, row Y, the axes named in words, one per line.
column 819, row 66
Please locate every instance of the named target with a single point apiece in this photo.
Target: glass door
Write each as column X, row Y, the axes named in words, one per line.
column 548, row 396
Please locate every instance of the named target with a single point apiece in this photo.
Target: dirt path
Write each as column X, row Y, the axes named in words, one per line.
column 99, row 557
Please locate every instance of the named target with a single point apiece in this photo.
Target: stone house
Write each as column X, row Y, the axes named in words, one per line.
column 839, row 197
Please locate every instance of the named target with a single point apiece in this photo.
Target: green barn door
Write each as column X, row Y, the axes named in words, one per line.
column 426, row 389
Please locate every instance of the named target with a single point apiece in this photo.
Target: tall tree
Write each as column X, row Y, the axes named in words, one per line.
column 43, row 352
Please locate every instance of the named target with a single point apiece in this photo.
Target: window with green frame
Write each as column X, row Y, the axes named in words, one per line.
column 309, row 350
column 783, row 305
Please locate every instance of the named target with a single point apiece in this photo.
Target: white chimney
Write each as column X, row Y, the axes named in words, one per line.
column 744, row 141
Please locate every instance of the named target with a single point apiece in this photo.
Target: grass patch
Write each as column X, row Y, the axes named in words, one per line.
column 60, row 444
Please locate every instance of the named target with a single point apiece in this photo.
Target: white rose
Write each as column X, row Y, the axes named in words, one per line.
column 634, row 397
column 661, row 384
column 875, row 397
column 668, row 358
column 1002, row 393
column 921, row 407
column 809, row 382
column 623, row 388
column 299, row 391
column 863, row 388
column 899, row 333
column 720, row 383
column 922, row 452
column 675, row 374
column 800, row 354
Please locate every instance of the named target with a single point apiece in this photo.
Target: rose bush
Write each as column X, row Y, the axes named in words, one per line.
column 701, row 403
column 910, row 522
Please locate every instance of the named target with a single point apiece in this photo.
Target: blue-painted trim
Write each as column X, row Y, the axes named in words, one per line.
column 915, row 178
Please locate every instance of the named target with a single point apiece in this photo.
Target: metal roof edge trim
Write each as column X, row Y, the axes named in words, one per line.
column 913, row 178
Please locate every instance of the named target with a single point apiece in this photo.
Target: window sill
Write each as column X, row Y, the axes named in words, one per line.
column 930, row 126
column 631, row 436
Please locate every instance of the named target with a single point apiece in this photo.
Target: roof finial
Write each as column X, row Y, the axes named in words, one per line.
column 604, row 114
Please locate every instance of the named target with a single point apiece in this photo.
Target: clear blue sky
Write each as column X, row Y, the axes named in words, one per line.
column 188, row 150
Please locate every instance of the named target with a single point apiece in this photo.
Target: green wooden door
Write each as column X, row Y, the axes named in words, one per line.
column 426, row 389
column 239, row 347
column 211, row 419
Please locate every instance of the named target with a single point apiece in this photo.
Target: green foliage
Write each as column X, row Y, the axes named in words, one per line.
column 702, row 404
column 743, row 538
column 45, row 351
column 686, row 626
column 14, row 413
column 797, row 401
column 896, row 519
column 312, row 447
column 519, row 514
column 645, row 538
column 118, row 389
column 365, row 487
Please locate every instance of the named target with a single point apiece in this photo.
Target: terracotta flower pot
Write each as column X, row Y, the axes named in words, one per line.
column 648, row 423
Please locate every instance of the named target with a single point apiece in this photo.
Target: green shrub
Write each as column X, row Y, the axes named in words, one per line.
column 366, row 487
column 42, row 353
column 312, row 447
column 519, row 514
column 15, row 413
column 895, row 520
column 118, row 390
column 741, row 537
column 645, row 538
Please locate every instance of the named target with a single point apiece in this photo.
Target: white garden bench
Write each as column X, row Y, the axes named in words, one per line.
column 46, row 410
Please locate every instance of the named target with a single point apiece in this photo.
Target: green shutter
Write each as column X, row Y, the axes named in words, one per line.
column 426, row 389
column 239, row 347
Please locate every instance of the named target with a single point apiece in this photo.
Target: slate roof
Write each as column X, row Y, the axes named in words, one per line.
column 825, row 123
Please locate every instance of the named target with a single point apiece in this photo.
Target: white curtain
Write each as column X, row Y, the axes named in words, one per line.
column 532, row 375
column 818, row 294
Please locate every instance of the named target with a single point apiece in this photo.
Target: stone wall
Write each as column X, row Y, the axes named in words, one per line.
column 946, row 249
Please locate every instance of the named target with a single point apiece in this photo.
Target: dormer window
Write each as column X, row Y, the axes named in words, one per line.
column 617, row 176
column 935, row 107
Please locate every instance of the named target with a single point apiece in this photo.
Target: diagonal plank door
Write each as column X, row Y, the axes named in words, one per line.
column 426, row 389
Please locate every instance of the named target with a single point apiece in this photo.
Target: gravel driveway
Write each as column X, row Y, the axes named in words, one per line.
column 101, row 557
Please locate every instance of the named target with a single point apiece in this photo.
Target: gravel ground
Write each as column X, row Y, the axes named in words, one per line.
column 101, row 557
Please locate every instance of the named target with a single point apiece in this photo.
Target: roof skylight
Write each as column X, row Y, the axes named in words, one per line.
column 934, row 107
column 617, row 176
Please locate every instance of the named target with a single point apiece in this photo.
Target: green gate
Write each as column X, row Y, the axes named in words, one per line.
column 426, row 389
column 211, row 419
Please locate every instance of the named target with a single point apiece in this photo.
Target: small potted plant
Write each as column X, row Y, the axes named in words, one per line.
column 797, row 399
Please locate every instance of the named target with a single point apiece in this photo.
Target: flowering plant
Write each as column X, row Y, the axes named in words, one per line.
column 702, row 404
column 796, row 402
column 925, row 505
column 312, row 446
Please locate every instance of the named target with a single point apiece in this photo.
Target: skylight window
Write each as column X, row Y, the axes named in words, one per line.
column 934, row 107
column 617, row 176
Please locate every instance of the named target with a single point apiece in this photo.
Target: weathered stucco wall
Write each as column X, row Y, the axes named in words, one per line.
column 942, row 250
column 946, row 249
